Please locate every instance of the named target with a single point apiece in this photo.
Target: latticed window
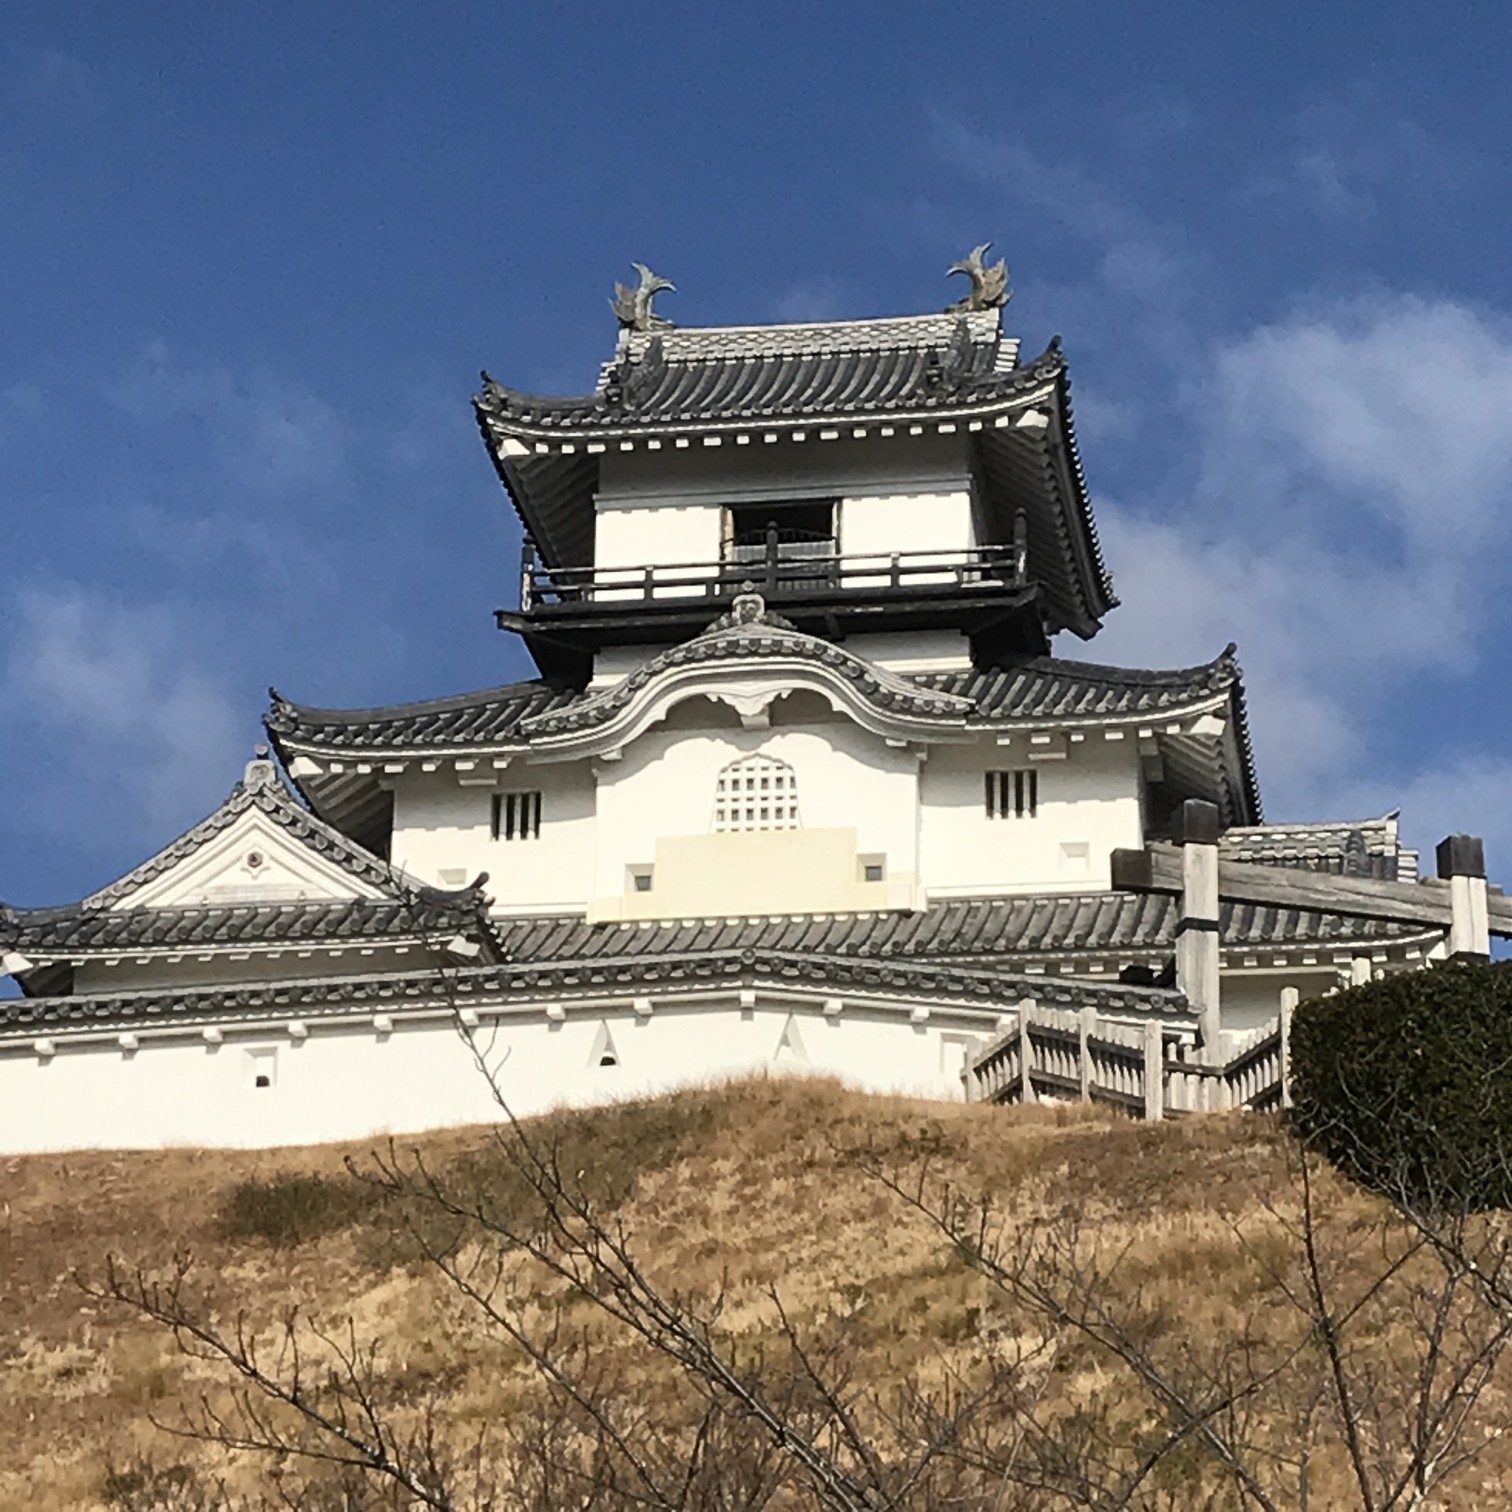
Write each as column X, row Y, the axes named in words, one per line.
column 756, row 793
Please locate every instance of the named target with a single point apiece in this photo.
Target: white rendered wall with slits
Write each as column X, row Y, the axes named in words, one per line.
column 350, row 1081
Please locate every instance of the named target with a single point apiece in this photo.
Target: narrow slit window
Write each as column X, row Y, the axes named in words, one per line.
column 516, row 816
column 1012, row 794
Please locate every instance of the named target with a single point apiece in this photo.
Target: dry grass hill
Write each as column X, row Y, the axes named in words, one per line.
column 760, row 1186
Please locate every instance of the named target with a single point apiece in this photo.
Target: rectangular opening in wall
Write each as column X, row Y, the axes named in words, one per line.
column 871, row 868
column 955, row 1052
column 1075, row 858
column 260, row 1069
column 798, row 529
column 1012, row 794
column 516, row 816
column 640, row 878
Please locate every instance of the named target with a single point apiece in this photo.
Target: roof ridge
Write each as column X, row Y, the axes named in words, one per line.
column 286, row 708
column 1102, row 671
column 262, row 789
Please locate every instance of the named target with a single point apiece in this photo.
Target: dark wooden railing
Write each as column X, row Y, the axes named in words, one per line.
column 777, row 570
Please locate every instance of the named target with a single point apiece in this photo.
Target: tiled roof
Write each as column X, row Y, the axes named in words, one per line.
column 77, row 930
column 1356, row 848
column 262, row 790
column 958, row 930
column 1047, row 687
column 755, row 634
column 965, row 949
column 874, row 369
column 324, row 997
column 489, row 717
column 1044, row 688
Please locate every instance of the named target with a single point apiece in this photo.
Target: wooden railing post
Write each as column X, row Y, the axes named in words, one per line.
column 527, row 565
column 1462, row 863
column 1154, row 1071
column 1086, row 1027
column 1289, row 996
column 771, row 561
column 1026, row 1051
column 1197, row 927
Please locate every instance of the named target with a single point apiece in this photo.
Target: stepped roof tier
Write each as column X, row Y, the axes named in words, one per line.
column 955, row 374
column 1193, row 718
column 975, row 949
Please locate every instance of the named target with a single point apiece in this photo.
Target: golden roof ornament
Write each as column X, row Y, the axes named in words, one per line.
column 632, row 307
column 989, row 285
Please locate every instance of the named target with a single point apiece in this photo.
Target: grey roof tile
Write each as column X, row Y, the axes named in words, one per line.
column 80, row 931
column 1049, row 687
column 1040, row 688
column 1359, row 848
column 323, row 997
column 957, row 930
column 756, row 374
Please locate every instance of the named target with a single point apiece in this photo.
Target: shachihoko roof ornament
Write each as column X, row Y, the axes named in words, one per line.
column 989, row 285
column 632, row 307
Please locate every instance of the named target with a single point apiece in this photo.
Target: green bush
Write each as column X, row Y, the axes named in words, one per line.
column 1406, row 1084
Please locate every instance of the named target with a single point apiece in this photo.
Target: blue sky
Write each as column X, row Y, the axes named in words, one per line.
column 253, row 257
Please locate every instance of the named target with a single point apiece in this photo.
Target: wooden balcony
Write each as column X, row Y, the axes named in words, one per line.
column 785, row 573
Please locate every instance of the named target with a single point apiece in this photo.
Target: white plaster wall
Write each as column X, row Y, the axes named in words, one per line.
column 898, row 493
column 346, row 1082
column 1088, row 807
column 221, row 871
column 443, row 835
column 1252, row 999
column 882, row 523
column 662, row 533
column 665, row 785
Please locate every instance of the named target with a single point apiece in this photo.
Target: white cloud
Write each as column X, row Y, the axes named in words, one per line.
column 1347, row 525
column 267, row 433
column 116, row 690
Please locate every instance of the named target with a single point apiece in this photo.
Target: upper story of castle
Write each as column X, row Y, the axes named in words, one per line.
column 906, row 476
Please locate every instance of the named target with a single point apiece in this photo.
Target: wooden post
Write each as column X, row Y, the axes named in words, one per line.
column 771, row 561
column 527, row 564
column 1086, row 1027
column 1462, row 863
column 1154, row 1071
column 1359, row 970
column 1289, row 996
column 1026, row 1051
column 1197, row 928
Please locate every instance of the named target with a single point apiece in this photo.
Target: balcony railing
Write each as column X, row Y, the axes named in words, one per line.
column 777, row 570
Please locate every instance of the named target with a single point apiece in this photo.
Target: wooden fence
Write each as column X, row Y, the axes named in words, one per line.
column 1148, row 1070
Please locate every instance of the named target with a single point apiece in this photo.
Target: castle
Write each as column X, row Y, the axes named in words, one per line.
column 800, row 783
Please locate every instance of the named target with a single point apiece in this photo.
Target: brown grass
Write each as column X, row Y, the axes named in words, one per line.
column 740, row 1187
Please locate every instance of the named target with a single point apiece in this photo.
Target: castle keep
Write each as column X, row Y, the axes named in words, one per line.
column 804, row 781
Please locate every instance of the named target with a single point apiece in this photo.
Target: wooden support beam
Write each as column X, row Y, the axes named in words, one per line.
column 1157, row 868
